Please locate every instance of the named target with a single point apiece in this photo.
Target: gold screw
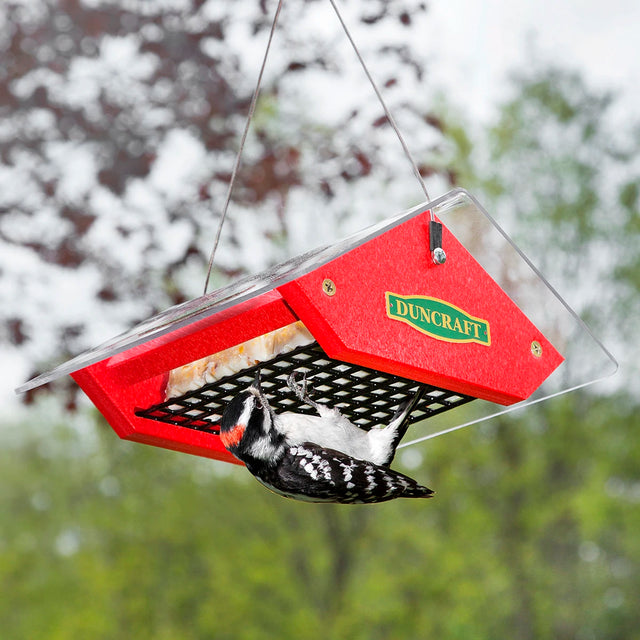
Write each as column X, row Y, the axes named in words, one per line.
column 329, row 287
column 536, row 349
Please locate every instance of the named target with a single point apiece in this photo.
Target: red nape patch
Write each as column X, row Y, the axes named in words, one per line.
column 232, row 438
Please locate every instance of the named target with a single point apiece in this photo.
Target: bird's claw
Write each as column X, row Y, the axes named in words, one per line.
column 299, row 388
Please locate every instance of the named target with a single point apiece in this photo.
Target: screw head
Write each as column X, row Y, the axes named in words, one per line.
column 439, row 256
column 329, row 287
column 536, row 349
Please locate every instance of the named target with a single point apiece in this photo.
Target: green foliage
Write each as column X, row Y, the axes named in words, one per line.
column 532, row 534
column 552, row 147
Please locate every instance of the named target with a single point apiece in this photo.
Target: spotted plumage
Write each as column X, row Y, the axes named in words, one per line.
column 322, row 458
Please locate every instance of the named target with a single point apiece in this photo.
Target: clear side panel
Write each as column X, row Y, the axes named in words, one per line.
column 586, row 359
column 189, row 312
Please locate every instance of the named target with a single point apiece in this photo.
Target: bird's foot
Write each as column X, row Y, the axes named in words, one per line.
column 300, row 388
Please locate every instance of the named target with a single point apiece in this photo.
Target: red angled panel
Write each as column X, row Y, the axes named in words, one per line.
column 118, row 402
column 214, row 333
column 488, row 351
column 135, row 378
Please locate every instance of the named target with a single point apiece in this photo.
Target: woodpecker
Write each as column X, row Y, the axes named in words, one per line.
column 323, row 458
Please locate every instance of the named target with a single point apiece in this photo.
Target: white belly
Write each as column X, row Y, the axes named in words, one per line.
column 334, row 431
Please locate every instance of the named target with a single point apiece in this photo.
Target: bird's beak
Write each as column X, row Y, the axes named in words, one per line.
column 256, row 388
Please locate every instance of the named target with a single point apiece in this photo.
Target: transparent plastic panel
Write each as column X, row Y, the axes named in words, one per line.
column 193, row 310
column 586, row 359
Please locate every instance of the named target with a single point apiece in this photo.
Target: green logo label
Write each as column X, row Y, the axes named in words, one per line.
column 437, row 318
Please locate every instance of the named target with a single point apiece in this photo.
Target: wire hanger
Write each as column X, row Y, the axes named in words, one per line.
column 252, row 108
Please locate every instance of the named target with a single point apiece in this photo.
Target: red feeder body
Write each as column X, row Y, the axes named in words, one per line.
column 382, row 305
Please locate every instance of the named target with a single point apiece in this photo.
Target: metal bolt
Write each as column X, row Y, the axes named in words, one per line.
column 329, row 287
column 439, row 256
column 536, row 349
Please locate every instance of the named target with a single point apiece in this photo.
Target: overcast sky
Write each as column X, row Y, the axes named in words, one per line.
column 478, row 41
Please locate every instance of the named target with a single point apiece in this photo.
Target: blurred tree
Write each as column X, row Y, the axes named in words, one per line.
column 119, row 122
column 560, row 171
column 532, row 533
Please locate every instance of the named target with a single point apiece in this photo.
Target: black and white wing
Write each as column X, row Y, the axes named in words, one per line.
column 315, row 474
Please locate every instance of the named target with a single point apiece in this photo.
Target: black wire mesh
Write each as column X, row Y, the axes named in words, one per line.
column 366, row 396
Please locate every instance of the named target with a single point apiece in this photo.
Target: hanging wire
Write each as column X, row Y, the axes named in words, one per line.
column 252, row 108
column 387, row 112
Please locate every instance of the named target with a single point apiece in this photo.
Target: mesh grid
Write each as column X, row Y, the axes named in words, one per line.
column 366, row 396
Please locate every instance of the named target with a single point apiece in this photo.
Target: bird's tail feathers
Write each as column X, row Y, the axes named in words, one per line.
column 400, row 422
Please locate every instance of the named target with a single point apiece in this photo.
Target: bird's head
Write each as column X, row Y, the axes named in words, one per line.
column 247, row 423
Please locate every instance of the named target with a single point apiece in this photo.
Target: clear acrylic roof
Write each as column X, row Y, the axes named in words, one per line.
column 586, row 359
column 184, row 314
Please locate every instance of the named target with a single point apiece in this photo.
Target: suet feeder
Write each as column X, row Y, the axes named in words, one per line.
column 436, row 305
column 372, row 321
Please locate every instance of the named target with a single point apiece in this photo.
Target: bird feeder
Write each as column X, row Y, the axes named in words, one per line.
column 417, row 307
column 371, row 321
